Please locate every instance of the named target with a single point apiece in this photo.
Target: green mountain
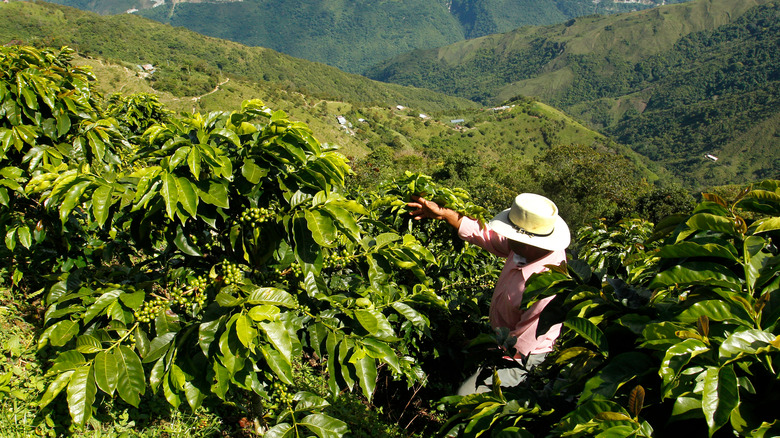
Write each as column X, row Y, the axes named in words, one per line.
column 355, row 35
column 385, row 128
column 676, row 83
column 187, row 63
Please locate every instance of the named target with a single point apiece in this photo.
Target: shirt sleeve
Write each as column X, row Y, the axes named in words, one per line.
column 471, row 231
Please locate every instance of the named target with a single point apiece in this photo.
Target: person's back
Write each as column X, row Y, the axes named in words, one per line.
column 530, row 235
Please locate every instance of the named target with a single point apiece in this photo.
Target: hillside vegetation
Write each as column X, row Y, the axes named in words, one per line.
column 191, row 64
column 387, row 129
column 220, row 275
column 675, row 83
column 355, row 35
column 494, row 152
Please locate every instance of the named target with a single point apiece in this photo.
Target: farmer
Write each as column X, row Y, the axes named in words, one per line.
column 529, row 235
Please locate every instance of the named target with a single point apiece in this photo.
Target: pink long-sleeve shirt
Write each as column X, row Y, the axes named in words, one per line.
column 505, row 305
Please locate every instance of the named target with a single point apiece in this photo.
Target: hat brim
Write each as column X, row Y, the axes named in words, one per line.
column 558, row 239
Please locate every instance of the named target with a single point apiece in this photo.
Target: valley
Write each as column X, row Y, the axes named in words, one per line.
column 657, row 80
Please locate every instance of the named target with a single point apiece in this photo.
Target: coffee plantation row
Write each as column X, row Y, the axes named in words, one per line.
column 207, row 257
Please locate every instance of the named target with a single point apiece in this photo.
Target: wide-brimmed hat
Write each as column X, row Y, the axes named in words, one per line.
column 534, row 220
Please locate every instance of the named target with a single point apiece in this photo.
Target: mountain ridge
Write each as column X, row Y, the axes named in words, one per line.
column 193, row 57
column 676, row 83
column 355, row 35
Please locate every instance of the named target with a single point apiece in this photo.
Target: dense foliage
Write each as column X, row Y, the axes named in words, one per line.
column 201, row 259
column 672, row 331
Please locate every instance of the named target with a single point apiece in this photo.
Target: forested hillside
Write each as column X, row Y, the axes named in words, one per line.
column 187, row 63
column 675, row 83
column 352, row 35
column 385, row 128
column 355, row 35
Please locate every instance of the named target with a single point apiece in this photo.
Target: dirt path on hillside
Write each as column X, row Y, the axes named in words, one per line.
column 197, row 98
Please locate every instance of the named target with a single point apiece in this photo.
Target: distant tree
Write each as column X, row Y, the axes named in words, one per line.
column 663, row 201
column 586, row 183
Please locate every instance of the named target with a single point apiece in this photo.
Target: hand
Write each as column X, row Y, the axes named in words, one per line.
column 424, row 208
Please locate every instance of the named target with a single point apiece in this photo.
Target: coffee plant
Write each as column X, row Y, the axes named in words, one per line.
column 665, row 333
column 206, row 256
column 200, row 256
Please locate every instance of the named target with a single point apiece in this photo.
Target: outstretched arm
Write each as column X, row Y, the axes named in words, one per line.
column 424, row 208
column 468, row 229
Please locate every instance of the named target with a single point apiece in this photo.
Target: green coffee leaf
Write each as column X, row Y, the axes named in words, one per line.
column 711, row 222
column 281, row 430
column 106, row 372
column 206, row 333
column 88, row 344
column 590, row 332
column 375, row 323
column 178, row 156
column 677, row 357
column 245, row 330
column 100, row 304
column 252, row 172
column 365, row 368
column 81, row 395
column 72, row 198
column 159, row 346
column 170, row 194
column 55, row 388
column 130, row 375
column 278, row 363
column 187, row 195
column 194, row 395
column 193, row 162
column 720, row 396
column 324, row 426
column 101, row 202
column 270, row 295
column 322, row 228
column 62, row 332
column 696, row 273
column 264, row 312
column 748, row 342
column 618, row 371
column 279, row 336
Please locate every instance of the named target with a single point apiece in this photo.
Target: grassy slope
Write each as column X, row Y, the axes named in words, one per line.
column 136, row 40
column 609, row 69
column 623, row 37
column 627, row 38
column 116, row 77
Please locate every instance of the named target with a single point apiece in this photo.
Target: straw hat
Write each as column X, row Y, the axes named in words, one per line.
column 533, row 219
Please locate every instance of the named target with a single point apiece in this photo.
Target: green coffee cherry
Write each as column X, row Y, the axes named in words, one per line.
column 296, row 269
column 231, row 273
column 191, row 296
column 337, row 259
column 255, row 216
